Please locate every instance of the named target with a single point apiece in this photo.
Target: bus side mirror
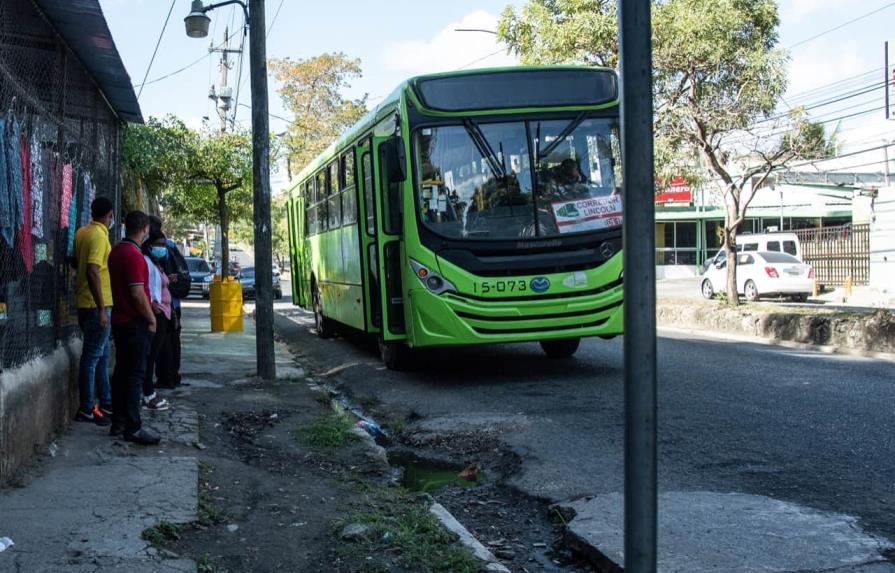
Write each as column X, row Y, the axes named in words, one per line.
column 395, row 160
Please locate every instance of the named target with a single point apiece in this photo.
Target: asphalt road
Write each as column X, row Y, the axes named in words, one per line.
column 799, row 426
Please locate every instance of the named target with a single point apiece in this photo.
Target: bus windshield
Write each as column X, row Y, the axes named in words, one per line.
column 476, row 181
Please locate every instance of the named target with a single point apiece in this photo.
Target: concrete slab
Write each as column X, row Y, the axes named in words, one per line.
column 714, row 532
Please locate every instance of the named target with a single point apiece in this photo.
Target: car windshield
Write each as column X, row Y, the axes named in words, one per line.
column 518, row 179
column 197, row 266
column 780, row 258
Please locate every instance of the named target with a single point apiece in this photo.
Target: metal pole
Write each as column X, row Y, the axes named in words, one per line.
column 635, row 62
column 261, row 187
column 886, row 73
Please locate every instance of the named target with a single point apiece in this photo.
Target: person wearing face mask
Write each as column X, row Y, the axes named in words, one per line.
column 93, row 295
column 160, row 361
column 133, row 325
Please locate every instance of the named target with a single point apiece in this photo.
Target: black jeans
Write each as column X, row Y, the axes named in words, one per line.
column 174, row 338
column 132, row 343
column 160, row 362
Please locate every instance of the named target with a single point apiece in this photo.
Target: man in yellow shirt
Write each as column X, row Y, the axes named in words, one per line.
column 94, row 299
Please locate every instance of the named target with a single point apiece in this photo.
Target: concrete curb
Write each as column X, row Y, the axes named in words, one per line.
column 824, row 349
column 466, row 538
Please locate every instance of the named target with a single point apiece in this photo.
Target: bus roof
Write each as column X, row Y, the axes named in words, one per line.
column 392, row 102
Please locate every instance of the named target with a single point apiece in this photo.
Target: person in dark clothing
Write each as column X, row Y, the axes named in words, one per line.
column 133, row 324
column 160, row 362
column 175, row 267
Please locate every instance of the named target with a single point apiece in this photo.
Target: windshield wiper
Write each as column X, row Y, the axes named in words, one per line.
column 484, row 148
column 561, row 137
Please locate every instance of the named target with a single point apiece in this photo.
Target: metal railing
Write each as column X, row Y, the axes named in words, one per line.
column 837, row 253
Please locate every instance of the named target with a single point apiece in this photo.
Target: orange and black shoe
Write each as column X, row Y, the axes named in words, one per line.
column 99, row 418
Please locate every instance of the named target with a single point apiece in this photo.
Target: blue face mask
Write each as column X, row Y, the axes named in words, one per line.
column 159, row 252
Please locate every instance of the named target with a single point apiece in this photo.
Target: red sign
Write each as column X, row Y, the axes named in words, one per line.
column 678, row 191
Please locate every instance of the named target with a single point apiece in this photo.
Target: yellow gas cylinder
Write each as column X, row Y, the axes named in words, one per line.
column 226, row 305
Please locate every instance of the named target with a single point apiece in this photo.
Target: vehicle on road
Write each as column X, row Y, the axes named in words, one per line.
column 772, row 242
column 469, row 207
column 201, row 275
column 246, row 278
column 762, row 274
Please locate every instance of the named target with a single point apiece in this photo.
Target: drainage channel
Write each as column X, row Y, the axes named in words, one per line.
column 524, row 533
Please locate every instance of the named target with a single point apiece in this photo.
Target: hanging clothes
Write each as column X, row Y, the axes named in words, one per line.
column 37, row 188
column 73, row 224
column 66, row 194
column 14, row 168
column 25, row 245
column 7, row 218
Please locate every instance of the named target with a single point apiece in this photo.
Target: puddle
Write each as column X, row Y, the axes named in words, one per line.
column 430, row 477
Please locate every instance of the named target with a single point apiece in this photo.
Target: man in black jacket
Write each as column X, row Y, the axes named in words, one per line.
column 179, row 276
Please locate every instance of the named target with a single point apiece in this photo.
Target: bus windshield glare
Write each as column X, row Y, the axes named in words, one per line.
column 476, row 181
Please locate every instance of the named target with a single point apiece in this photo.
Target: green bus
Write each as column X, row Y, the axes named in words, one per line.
column 468, row 207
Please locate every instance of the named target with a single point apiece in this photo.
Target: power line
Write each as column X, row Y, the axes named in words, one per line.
column 840, row 26
column 180, row 70
column 274, row 19
column 155, row 51
column 482, row 58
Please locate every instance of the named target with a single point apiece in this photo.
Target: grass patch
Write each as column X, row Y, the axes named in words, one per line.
column 369, row 402
column 329, row 432
column 163, row 533
column 204, row 564
column 401, row 525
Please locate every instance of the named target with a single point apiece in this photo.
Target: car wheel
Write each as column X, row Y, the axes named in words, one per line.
column 556, row 349
column 395, row 355
column 206, row 296
column 278, row 294
column 801, row 297
column 324, row 326
column 751, row 291
column 707, row 290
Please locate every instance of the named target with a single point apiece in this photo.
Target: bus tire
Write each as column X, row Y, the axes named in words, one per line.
column 556, row 349
column 394, row 354
column 324, row 326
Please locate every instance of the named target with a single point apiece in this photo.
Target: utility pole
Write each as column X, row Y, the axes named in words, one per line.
column 264, row 347
column 223, row 94
column 639, row 227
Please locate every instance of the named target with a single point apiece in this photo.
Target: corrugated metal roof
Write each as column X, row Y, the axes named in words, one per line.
column 83, row 26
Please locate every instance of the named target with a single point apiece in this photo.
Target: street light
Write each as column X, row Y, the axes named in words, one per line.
column 196, row 24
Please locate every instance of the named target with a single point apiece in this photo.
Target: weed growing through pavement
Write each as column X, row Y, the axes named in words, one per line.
column 204, row 564
column 400, row 524
column 330, row 431
column 164, row 532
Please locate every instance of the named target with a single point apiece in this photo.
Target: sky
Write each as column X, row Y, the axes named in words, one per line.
column 396, row 39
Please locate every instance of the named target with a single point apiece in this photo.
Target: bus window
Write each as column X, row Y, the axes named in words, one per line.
column 333, row 170
column 321, row 202
column 774, row 246
column 333, row 207
column 391, row 200
column 349, row 206
column 369, row 206
column 348, row 169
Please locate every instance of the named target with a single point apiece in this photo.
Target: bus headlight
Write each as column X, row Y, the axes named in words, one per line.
column 434, row 282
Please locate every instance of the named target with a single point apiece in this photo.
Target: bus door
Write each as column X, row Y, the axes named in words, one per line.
column 367, row 226
column 390, row 173
column 300, row 262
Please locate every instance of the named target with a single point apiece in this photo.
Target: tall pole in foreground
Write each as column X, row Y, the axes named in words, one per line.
column 635, row 61
column 261, row 191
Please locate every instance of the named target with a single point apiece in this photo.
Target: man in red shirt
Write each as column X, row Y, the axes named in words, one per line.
column 133, row 324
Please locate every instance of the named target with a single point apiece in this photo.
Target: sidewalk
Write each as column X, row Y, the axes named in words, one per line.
column 84, row 506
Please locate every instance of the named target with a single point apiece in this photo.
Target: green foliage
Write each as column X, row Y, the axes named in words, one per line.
column 330, row 431
column 312, row 90
column 163, row 533
column 156, row 153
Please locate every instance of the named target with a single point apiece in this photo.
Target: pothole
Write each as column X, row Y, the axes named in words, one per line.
column 431, row 477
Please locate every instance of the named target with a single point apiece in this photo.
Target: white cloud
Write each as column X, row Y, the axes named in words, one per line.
column 449, row 49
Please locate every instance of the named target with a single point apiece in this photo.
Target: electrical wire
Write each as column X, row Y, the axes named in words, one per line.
column 840, row 26
column 179, row 70
column 274, row 19
column 155, row 51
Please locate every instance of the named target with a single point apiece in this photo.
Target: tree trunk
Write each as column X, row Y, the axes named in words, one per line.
column 224, row 218
column 730, row 249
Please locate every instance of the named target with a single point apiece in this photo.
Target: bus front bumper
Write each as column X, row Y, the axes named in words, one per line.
column 455, row 319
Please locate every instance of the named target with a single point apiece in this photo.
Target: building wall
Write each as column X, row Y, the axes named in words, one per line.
column 72, row 141
column 882, row 241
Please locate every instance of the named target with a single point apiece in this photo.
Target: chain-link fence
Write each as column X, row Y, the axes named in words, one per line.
column 60, row 145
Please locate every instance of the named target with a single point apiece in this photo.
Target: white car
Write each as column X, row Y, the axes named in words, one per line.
column 762, row 274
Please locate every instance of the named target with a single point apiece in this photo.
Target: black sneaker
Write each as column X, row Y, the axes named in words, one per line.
column 99, row 419
column 143, row 438
column 107, row 411
column 84, row 416
column 116, row 430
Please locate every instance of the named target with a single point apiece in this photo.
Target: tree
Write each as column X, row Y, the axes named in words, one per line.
column 718, row 77
column 312, row 90
column 215, row 184
column 153, row 156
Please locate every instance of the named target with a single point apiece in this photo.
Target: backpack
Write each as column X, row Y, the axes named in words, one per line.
column 175, row 264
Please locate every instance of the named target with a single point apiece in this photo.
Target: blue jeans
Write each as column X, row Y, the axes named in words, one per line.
column 93, row 372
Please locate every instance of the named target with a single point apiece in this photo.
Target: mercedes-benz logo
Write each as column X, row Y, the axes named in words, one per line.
column 607, row 250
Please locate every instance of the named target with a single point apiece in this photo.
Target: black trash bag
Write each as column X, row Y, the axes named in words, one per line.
column 175, row 264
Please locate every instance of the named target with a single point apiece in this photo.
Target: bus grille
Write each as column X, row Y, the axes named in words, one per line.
column 575, row 320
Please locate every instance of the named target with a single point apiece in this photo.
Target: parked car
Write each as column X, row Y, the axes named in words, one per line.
column 771, row 242
column 201, row 276
column 762, row 274
column 246, row 277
